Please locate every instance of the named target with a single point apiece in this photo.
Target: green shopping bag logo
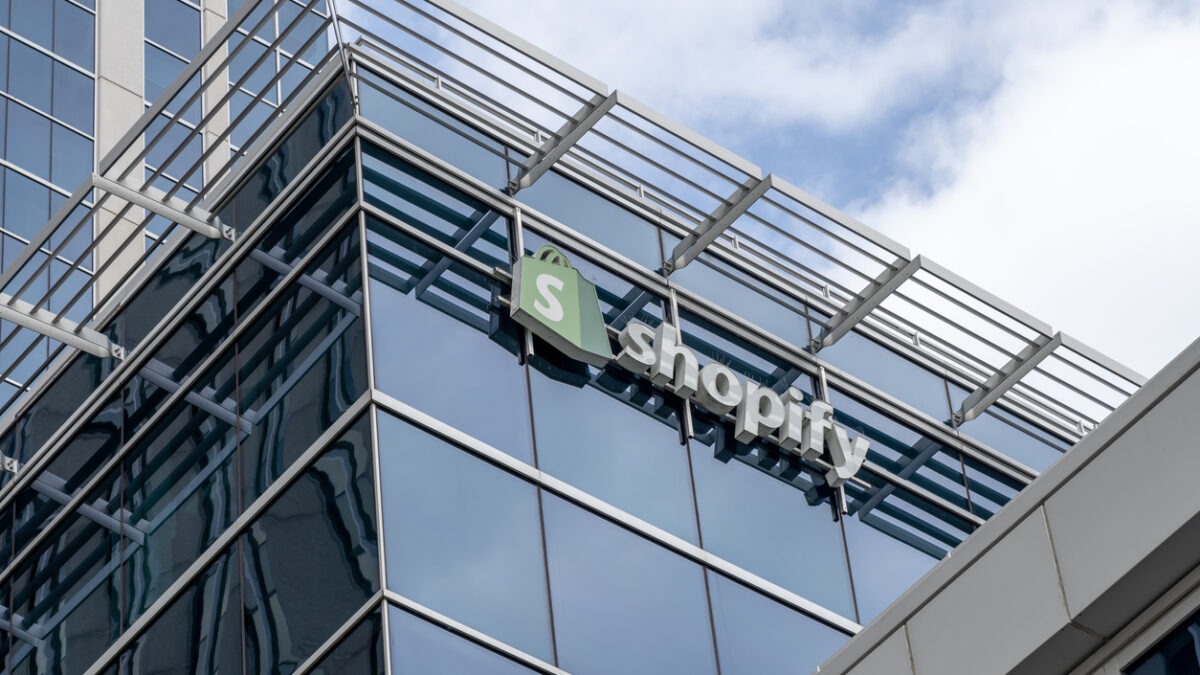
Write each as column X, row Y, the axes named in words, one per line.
column 554, row 301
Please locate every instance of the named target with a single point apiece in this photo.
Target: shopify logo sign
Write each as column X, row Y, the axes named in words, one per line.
column 556, row 303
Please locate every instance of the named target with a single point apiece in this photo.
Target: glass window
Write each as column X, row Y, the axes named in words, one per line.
column 435, row 131
column 34, row 19
column 71, row 162
column 621, row 603
column 617, row 438
column 888, row 371
column 434, row 207
column 990, row 489
column 26, row 202
column 3, row 53
column 161, row 69
column 883, row 561
column 769, row 527
column 75, row 34
column 713, row 343
column 595, row 217
column 174, row 25
column 1176, row 654
column 29, row 146
column 29, row 72
column 311, row 560
column 758, row 636
column 722, row 284
column 74, row 96
column 462, row 537
column 360, row 652
column 421, row 648
column 253, row 67
column 443, row 344
column 1006, row 433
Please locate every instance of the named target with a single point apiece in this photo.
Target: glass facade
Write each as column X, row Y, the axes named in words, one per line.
column 329, row 448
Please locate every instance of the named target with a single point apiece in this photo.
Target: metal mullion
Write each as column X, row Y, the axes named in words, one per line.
column 503, row 57
column 429, row 240
column 1051, row 404
column 43, row 236
column 971, row 310
column 28, row 174
column 838, row 237
column 7, row 375
column 477, row 97
column 733, row 180
column 230, row 90
column 374, row 603
column 5, row 30
column 747, row 251
column 230, row 535
column 199, row 372
column 967, row 362
column 954, row 325
column 648, row 531
column 793, row 239
column 926, row 495
column 650, row 190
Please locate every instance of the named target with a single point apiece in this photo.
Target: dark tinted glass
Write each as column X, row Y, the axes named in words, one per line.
column 595, row 217
column 359, row 653
column 621, row 603
column 758, row 636
column 443, row 344
column 463, row 538
column 312, row 559
column 1176, row 654
column 421, row 648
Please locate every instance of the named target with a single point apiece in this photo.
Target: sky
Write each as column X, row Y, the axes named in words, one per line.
column 1047, row 151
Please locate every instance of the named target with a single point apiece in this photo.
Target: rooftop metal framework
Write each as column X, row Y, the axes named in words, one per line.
column 713, row 201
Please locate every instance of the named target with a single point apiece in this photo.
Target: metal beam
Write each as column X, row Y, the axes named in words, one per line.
column 554, row 148
column 57, row 328
column 857, row 309
column 719, row 221
column 157, row 202
column 1003, row 380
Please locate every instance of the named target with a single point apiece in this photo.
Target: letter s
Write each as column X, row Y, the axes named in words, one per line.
column 552, row 309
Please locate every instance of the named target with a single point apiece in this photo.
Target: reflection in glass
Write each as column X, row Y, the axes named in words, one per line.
column 1006, row 433
column 883, row 566
column 890, row 372
column 758, row 636
column 432, row 320
column 617, row 438
column 462, row 537
column 621, row 603
column 421, row 648
column 359, row 653
column 719, row 282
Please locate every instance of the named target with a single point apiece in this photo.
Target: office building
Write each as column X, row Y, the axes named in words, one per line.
column 277, row 408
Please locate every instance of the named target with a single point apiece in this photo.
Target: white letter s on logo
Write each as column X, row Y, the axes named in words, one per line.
column 552, row 309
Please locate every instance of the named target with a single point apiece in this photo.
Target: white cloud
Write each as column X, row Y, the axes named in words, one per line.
column 1072, row 193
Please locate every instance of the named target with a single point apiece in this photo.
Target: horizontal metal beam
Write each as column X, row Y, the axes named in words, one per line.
column 566, row 138
column 718, row 221
column 1004, row 379
column 157, row 202
column 857, row 309
column 48, row 323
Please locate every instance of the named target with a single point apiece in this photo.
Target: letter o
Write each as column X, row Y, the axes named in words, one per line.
column 720, row 391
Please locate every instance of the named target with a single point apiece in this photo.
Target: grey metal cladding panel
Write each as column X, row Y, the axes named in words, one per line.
column 992, row 616
column 889, row 658
column 1060, row 654
column 1126, row 525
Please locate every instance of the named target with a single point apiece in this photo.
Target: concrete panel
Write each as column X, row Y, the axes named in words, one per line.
column 120, row 31
column 889, row 658
column 1119, row 548
column 117, row 109
column 1003, row 607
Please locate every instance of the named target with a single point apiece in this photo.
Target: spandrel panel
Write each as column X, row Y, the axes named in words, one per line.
column 888, row 371
column 769, row 527
column 595, row 217
column 463, row 537
column 617, row 438
column 436, row 131
column 434, row 207
column 621, row 603
column 466, row 372
column 421, row 648
column 737, row 292
column 759, row 636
